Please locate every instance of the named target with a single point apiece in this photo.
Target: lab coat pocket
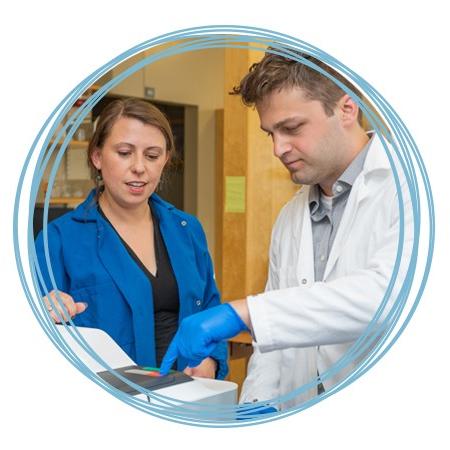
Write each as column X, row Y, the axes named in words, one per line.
column 107, row 310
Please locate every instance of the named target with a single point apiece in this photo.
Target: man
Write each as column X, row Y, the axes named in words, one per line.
column 333, row 246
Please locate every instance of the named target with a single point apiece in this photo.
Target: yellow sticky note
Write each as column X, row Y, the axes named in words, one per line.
column 235, row 194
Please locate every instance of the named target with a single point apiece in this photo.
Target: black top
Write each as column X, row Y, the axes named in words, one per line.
column 166, row 302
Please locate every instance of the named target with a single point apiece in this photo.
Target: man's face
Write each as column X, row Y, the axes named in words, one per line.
column 309, row 143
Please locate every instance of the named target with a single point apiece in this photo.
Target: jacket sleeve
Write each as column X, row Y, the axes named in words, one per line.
column 264, row 369
column 211, row 298
column 56, row 262
column 340, row 310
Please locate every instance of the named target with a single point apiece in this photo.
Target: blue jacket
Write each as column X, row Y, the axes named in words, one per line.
column 90, row 263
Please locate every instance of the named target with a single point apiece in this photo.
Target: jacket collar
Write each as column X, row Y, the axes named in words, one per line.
column 87, row 211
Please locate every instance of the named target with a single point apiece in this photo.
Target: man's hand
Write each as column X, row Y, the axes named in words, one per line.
column 199, row 334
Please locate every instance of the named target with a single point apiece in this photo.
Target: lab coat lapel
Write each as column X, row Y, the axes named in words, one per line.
column 376, row 161
column 303, row 239
column 358, row 193
column 134, row 286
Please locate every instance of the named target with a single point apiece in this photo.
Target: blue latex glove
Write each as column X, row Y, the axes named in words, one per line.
column 199, row 334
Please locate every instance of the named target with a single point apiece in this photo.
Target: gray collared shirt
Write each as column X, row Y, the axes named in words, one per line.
column 326, row 216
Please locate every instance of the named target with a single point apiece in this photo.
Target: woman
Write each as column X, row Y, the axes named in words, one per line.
column 126, row 261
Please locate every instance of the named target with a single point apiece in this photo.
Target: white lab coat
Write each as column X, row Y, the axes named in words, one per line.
column 302, row 327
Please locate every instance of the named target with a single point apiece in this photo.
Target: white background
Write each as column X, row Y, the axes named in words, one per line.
column 401, row 51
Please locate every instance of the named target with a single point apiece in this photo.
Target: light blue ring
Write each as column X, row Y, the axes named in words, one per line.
column 265, row 35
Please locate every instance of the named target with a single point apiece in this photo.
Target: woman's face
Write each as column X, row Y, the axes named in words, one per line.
column 131, row 161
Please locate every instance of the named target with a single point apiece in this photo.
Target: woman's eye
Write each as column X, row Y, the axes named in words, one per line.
column 152, row 157
column 123, row 152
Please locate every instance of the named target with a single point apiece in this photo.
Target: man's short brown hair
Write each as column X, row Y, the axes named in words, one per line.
column 275, row 72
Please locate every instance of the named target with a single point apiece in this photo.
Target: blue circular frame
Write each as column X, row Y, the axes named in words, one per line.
column 378, row 337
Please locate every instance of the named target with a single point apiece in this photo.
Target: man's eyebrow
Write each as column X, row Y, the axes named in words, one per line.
column 282, row 123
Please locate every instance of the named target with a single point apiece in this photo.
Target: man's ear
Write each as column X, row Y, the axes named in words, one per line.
column 348, row 110
column 96, row 158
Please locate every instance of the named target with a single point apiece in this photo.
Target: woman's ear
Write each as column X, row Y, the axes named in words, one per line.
column 96, row 158
column 348, row 110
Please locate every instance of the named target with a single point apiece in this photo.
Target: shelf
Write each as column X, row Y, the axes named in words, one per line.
column 73, row 144
column 242, row 338
column 68, row 201
column 78, row 144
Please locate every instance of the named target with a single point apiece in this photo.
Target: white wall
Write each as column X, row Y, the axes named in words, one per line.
column 194, row 78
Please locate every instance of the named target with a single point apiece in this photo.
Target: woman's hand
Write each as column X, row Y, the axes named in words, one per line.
column 206, row 369
column 72, row 307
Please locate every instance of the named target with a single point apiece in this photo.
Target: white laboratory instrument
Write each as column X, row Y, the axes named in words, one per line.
column 202, row 390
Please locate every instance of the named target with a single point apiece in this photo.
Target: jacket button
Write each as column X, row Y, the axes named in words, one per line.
column 304, row 280
column 198, row 302
column 183, row 223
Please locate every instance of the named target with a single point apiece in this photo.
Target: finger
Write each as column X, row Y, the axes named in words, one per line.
column 169, row 358
column 80, row 307
column 48, row 303
column 53, row 307
column 57, row 314
column 188, row 371
column 54, row 317
column 63, row 301
column 69, row 304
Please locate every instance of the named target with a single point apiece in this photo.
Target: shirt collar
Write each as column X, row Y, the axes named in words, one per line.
column 314, row 199
column 356, row 166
